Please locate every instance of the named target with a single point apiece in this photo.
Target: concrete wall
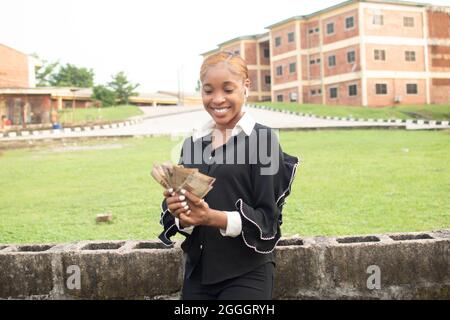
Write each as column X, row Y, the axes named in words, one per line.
column 394, row 266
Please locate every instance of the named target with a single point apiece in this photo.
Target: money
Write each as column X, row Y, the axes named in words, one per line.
column 178, row 177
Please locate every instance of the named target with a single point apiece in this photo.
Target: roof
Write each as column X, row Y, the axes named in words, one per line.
column 346, row 3
column 255, row 37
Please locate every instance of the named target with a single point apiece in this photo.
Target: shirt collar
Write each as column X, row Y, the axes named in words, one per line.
column 246, row 124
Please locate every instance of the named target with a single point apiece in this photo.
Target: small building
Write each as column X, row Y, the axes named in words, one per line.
column 17, row 69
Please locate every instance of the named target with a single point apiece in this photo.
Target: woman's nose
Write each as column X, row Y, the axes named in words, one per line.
column 218, row 99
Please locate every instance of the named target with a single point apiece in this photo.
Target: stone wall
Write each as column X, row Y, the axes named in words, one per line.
column 391, row 266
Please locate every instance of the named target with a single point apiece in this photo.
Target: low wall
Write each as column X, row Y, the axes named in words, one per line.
column 391, row 266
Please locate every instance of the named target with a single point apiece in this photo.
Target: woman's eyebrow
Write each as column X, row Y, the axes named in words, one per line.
column 226, row 83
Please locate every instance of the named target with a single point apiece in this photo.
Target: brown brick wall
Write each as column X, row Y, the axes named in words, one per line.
column 340, row 32
column 438, row 24
column 283, row 34
column 342, row 65
column 262, row 46
column 285, row 93
column 253, row 75
column 395, row 87
column 310, row 40
column 395, row 58
column 309, row 98
column 286, row 76
column 343, row 96
column 250, row 52
column 393, row 23
column 264, row 86
column 440, row 93
column 13, row 68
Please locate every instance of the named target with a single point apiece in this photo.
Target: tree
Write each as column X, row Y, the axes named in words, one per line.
column 122, row 87
column 44, row 71
column 72, row 76
column 103, row 94
column 199, row 86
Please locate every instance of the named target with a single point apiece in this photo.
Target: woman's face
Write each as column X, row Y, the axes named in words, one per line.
column 223, row 95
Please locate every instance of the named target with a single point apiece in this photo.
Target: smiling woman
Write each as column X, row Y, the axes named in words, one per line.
column 231, row 233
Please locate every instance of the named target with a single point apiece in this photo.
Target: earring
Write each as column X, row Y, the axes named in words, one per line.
column 246, row 93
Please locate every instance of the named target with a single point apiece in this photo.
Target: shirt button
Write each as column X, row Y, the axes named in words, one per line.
column 201, row 247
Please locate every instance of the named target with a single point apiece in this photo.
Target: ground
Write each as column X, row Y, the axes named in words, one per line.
column 349, row 182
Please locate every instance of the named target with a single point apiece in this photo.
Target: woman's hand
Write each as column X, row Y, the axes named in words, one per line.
column 200, row 213
column 176, row 203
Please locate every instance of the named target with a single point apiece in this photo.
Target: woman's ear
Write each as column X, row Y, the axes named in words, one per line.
column 247, row 83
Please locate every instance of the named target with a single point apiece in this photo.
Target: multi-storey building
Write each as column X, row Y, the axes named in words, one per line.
column 359, row 52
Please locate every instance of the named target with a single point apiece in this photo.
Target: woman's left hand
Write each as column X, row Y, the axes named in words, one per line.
column 199, row 212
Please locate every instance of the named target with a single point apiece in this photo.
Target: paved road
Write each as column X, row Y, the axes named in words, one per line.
column 182, row 120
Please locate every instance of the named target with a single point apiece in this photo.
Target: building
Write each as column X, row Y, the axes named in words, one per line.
column 16, row 68
column 359, row 52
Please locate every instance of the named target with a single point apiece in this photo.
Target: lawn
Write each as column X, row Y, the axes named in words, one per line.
column 349, row 182
column 87, row 115
column 426, row 112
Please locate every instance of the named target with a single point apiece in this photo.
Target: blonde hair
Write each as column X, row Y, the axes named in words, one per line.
column 234, row 61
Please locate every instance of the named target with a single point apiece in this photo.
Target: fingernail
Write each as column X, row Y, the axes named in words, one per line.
column 170, row 190
column 183, row 191
column 182, row 198
column 186, row 207
column 183, row 204
column 188, row 212
column 173, row 194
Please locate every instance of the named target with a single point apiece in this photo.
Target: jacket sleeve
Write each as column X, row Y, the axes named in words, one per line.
column 167, row 220
column 261, row 219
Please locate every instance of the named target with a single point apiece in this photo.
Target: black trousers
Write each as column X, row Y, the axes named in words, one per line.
column 254, row 285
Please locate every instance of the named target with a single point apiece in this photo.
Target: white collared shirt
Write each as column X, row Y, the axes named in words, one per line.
column 246, row 124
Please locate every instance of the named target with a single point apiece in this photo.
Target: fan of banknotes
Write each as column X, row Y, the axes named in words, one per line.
column 178, row 177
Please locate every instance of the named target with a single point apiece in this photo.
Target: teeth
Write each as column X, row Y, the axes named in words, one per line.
column 222, row 110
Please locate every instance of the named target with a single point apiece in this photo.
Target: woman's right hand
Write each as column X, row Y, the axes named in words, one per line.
column 176, row 203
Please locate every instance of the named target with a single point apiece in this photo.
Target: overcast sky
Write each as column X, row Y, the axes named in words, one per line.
column 148, row 39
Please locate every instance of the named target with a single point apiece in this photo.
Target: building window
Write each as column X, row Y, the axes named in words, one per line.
column 237, row 52
column 351, row 57
column 279, row 71
column 381, row 88
column 380, row 55
column 410, row 55
column 318, row 60
column 293, row 96
column 267, row 79
column 332, row 61
column 352, row 90
column 280, row 98
column 277, row 41
column 333, row 93
column 292, row 67
column 290, row 37
column 408, row 21
column 311, row 31
column 411, row 88
column 312, row 61
column 313, row 93
column 349, row 22
column 266, row 53
column 319, row 92
column 330, row 28
column 378, row 20
column 317, row 30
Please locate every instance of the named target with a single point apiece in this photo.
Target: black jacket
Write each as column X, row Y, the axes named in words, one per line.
column 240, row 186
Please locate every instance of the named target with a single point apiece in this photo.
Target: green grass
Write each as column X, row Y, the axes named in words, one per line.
column 116, row 113
column 349, row 182
column 426, row 112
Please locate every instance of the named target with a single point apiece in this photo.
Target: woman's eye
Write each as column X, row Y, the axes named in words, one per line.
column 229, row 90
column 207, row 91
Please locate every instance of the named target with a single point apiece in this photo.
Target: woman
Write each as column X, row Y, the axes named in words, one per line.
column 231, row 233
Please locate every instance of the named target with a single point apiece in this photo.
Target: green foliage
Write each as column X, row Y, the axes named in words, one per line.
column 72, row 76
column 104, row 95
column 45, row 71
column 122, row 88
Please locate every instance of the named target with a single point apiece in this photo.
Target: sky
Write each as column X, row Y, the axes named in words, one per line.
column 157, row 43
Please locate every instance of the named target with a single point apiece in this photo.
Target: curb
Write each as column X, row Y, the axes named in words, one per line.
column 443, row 124
column 27, row 133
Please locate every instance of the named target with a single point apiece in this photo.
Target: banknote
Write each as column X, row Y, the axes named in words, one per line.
column 178, row 177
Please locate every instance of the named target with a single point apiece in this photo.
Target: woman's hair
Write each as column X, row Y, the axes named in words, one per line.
column 234, row 62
